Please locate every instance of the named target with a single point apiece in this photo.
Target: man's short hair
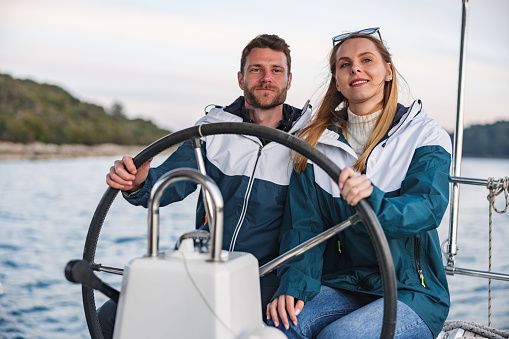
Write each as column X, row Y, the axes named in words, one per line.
column 271, row 41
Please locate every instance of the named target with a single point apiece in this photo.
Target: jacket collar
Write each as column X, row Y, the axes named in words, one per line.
column 402, row 115
column 290, row 113
column 333, row 135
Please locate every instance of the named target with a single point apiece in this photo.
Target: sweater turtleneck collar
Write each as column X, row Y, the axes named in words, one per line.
column 359, row 129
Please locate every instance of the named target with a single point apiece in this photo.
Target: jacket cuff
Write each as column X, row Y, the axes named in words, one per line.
column 375, row 199
column 298, row 285
column 132, row 193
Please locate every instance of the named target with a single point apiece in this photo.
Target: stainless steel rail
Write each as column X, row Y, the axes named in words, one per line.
column 458, row 141
column 450, row 268
column 209, row 209
column 153, row 209
column 476, row 273
column 284, row 258
column 471, row 181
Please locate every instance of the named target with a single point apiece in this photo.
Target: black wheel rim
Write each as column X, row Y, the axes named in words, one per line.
column 365, row 211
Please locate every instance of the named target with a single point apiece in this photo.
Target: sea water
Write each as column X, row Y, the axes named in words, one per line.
column 46, row 207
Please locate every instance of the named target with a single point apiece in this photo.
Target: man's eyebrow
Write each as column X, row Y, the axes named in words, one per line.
column 273, row 65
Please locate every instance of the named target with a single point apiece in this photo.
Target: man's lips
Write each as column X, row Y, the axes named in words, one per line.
column 266, row 89
column 358, row 82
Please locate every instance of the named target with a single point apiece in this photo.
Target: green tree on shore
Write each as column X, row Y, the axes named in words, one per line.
column 31, row 112
column 487, row 141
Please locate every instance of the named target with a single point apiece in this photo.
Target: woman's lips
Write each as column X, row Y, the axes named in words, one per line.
column 358, row 82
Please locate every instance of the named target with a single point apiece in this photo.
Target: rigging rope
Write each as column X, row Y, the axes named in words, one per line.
column 495, row 189
column 486, row 332
column 502, row 185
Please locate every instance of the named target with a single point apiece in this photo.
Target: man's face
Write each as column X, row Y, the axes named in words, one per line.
column 266, row 80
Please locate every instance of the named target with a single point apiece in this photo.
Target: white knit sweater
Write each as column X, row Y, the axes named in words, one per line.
column 359, row 129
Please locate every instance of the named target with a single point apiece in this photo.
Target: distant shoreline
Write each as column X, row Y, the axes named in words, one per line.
column 40, row 151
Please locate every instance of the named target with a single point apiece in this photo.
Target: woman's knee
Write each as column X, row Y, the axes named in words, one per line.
column 367, row 323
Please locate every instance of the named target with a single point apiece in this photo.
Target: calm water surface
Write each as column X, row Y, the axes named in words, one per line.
column 46, row 207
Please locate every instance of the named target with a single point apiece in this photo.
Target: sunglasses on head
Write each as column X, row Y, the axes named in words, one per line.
column 368, row 31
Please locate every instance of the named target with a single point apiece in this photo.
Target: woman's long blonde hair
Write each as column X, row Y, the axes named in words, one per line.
column 334, row 104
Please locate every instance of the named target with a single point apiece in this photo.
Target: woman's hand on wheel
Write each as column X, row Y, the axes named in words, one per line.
column 354, row 186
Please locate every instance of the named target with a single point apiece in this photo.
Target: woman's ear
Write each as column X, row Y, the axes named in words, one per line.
column 389, row 72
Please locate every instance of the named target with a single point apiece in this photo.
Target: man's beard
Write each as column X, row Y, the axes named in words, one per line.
column 262, row 102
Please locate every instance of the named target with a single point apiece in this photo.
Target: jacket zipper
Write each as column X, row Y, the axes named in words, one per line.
column 245, row 204
column 417, row 257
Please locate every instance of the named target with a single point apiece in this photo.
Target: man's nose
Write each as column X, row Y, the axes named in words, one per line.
column 266, row 76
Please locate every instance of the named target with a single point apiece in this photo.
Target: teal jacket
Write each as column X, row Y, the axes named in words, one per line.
column 409, row 170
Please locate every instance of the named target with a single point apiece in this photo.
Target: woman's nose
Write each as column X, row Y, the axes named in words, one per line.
column 355, row 69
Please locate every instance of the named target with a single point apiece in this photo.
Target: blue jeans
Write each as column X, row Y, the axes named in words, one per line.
column 338, row 314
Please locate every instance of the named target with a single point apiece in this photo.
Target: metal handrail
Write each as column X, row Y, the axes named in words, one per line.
column 471, row 181
column 458, row 139
column 216, row 201
column 450, row 268
column 209, row 208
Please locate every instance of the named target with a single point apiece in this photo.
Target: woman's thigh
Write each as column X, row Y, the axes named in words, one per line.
column 366, row 322
column 328, row 306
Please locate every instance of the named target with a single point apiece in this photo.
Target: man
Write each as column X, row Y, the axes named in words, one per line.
column 252, row 174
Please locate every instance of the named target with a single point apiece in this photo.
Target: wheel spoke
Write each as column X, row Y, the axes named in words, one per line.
column 107, row 269
column 297, row 250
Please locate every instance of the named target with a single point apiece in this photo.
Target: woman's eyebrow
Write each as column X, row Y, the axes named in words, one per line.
column 358, row 55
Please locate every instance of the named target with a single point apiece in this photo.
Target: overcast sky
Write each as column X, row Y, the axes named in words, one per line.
column 166, row 60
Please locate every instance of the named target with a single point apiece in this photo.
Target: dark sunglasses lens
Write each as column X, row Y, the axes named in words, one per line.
column 367, row 31
column 340, row 37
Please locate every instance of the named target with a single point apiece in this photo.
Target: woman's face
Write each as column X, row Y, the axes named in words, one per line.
column 361, row 74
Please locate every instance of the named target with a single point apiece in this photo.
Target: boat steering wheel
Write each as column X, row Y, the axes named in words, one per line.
column 364, row 211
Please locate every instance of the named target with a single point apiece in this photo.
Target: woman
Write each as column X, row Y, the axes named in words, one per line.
column 398, row 159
